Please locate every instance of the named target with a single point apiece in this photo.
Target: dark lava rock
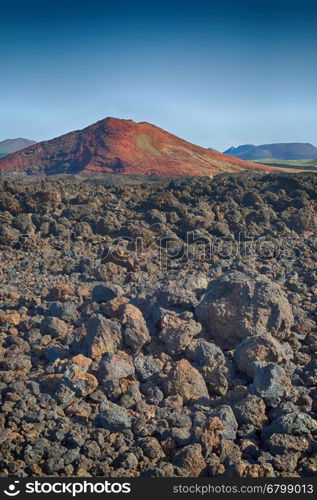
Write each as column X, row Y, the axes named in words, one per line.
column 53, row 326
column 114, row 417
column 158, row 327
column 106, row 292
column 239, row 305
column 296, row 424
column 270, row 383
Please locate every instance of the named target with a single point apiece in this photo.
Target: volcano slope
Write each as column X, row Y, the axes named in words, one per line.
column 138, row 339
column 125, row 147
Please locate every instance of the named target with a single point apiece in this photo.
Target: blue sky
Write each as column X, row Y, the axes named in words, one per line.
column 216, row 73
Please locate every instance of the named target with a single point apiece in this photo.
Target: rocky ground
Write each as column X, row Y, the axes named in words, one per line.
column 161, row 329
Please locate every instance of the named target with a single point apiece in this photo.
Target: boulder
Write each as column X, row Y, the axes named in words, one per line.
column 260, row 348
column 53, row 326
column 279, row 444
column 296, row 424
column 186, row 381
column 115, row 366
column 106, row 292
column 103, row 336
column 79, row 381
column 113, row 417
column 135, row 331
column 190, row 458
column 181, row 292
column 176, row 333
column 250, row 410
column 239, row 305
column 212, row 364
column 270, row 383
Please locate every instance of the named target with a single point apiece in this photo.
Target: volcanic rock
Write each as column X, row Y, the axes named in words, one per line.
column 250, row 410
column 116, row 366
column 230, row 425
column 296, row 424
column 114, row 417
column 106, row 370
column 53, row 326
column 270, row 383
column 259, row 348
column 191, row 459
column 147, row 367
column 186, row 381
column 177, row 333
column 239, row 305
column 103, row 335
column 79, row 381
column 135, row 331
column 104, row 293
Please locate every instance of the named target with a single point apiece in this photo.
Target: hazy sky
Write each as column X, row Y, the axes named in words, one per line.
column 216, row 73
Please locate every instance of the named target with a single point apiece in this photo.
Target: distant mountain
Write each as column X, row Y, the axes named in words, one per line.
column 11, row 145
column 121, row 146
column 282, row 151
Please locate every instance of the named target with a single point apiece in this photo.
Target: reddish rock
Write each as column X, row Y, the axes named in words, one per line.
column 259, row 348
column 79, row 410
column 113, row 308
column 214, row 466
column 211, row 434
column 82, row 361
column 245, row 469
column 151, row 448
column 53, row 326
column 186, row 381
column 136, row 333
column 61, row 292
column 10, row 317
column 191, row 459
column 229, row 452
column 103, row 335
column 250, row 410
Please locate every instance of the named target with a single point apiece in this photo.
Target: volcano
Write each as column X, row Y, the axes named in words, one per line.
column 120, row 146
column 11, row 145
